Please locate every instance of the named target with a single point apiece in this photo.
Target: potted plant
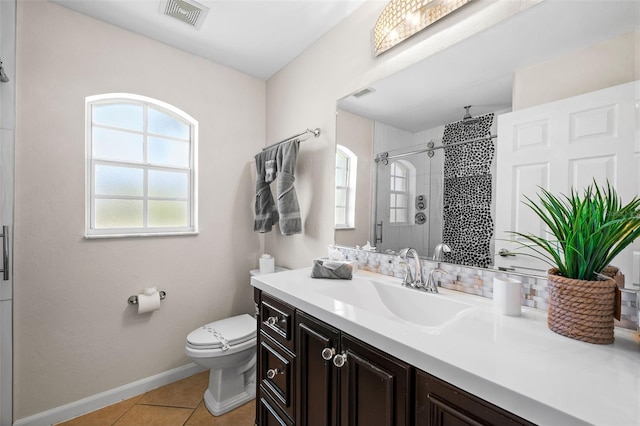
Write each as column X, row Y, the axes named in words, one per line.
column 588, row 230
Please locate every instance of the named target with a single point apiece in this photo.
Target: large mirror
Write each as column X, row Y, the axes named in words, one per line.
column 415, row 168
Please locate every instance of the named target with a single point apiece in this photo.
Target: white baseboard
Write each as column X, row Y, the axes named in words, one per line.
column 95, row 402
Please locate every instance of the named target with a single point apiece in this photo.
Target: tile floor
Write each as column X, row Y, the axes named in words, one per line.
column 176, row 404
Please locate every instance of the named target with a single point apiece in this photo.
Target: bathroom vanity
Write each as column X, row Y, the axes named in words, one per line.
column 362, row 352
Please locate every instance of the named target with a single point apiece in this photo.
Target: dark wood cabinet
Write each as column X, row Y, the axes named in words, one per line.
column 342, row 381
column 439, row 403
column 375, row 387
column 276, row 362
column 312, row 374
column 317, row 396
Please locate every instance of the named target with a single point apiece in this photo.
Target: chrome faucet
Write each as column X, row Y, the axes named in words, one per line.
column 440, row 250
column 432, row 286
column 411, row 279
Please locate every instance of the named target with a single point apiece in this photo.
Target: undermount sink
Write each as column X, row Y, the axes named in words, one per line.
column 398, row 303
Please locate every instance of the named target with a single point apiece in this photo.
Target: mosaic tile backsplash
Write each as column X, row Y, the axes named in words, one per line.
column 478, row 281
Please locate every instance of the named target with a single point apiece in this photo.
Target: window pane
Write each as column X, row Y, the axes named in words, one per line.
column 168, row 152
column 124, row 116
column 118, row 214
column 341, row 197
column 392, row 215
column 341, row 160
column 401, row 171
column 341, row 177
column 401, row 201
column 393, row 201
column 401, row 215
column 168, row 214
column 341, row 218
column 112, row 180
column 167, row 125
column 168, row 184
column 401, row 184
column 115, row 145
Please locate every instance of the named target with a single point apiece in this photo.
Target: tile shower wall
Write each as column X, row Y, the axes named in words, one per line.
column 468, row 279
column 468, row 226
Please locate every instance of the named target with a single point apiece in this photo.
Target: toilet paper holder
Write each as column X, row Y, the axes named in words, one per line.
column 133, row 300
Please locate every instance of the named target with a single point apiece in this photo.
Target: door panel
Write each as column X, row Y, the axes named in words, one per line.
column 7, row 135
column 558, row 146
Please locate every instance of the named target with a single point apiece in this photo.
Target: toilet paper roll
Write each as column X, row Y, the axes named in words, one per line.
column 148, row 302
column 507, row 296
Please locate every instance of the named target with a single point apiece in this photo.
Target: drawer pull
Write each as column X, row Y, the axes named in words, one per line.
column 340, row 360
column 272, row 321
column 328, row 353
column 272, row 372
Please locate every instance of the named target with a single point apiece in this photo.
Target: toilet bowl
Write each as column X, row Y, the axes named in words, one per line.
column 228, row 349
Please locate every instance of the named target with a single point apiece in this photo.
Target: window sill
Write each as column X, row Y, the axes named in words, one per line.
column 344, row 228
column 141, row 235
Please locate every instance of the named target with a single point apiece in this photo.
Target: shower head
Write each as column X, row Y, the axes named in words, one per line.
column 3, row 76
column 467, row 119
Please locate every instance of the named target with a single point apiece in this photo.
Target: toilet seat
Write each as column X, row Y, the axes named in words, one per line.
column 228, row 333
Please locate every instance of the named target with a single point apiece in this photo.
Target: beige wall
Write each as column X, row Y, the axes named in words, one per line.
column 356, row 133
column 606, row 64
column 75, row 336
column 304, row 94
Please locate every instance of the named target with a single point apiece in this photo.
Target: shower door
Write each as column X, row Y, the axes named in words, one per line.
column 7, row 132
column 403, row 204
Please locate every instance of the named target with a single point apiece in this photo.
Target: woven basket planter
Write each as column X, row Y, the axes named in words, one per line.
column 580, row 309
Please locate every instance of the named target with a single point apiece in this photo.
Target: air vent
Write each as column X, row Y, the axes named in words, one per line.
column 363, row 92
column 187, row 11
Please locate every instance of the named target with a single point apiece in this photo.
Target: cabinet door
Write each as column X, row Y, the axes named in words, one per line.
column 440, row 404
column 375, row 387
column 317, row 396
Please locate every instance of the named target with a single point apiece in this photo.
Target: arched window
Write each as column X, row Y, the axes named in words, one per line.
column 346, row 172
column 141, row 167
column 400, row 189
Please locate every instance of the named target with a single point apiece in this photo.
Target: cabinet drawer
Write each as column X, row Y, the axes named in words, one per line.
column 277, row 373
column 268, row 412
column 276, row 319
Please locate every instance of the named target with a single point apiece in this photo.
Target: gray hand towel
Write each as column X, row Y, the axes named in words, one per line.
column 325, row 268
column 290, row 221
column 265, row 206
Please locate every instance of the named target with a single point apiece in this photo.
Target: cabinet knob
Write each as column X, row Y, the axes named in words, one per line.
column 340, row 360
column 328, row 353
column 272, row 372
column 273, row 320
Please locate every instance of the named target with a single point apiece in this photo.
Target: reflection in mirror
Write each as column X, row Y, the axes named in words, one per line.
column 556, row 102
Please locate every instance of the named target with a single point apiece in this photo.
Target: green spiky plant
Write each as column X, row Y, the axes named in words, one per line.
column 588, row 230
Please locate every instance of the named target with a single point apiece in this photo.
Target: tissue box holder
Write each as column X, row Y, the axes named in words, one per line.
column 332, row 269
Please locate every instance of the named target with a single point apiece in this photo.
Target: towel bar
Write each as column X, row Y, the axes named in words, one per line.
column 133, row 300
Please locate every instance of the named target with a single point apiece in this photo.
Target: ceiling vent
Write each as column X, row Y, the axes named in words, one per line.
column 364, row 91
column 187, row 11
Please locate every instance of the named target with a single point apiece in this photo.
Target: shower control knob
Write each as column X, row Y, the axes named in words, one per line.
column 340, row 360
column 273, row 372
column 328, row 353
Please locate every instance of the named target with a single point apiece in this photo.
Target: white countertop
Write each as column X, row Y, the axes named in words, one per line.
column 516, row 363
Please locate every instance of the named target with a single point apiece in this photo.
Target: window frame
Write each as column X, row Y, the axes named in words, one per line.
column 90, row 168
column 408, row 193
column 350, row 188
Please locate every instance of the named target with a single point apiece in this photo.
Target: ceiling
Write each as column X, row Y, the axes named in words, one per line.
column 256, row 37
column 479, row 71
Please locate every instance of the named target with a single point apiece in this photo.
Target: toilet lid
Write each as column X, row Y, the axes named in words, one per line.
column 223, row 333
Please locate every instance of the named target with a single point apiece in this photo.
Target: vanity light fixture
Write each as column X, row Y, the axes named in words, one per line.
column 401, row 19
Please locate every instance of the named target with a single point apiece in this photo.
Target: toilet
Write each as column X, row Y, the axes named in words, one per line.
column 228, row 349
